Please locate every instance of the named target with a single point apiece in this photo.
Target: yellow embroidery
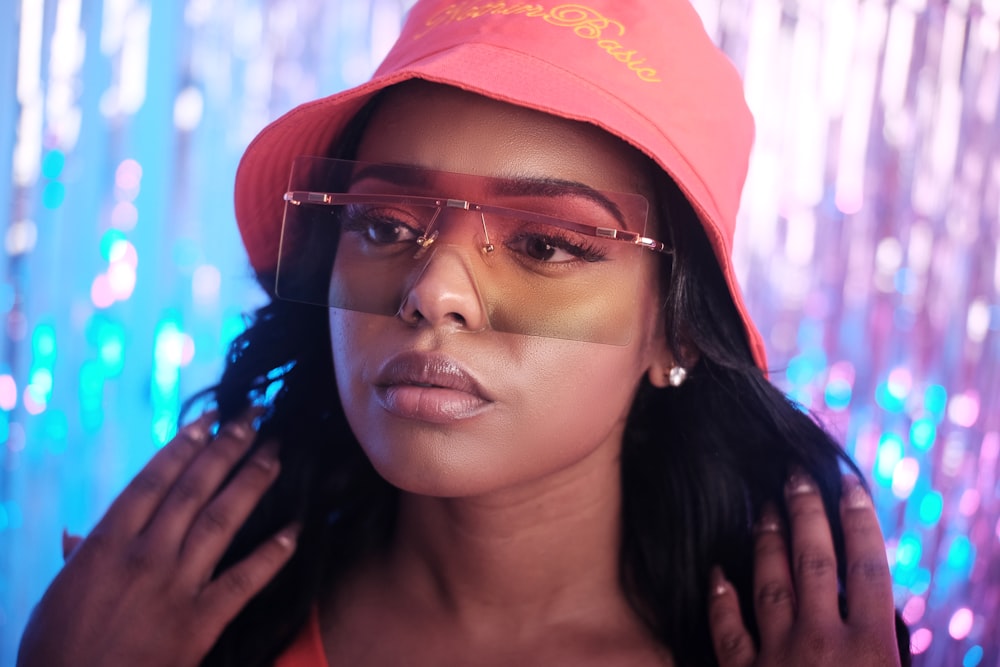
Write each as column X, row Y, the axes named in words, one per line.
column 586, row 22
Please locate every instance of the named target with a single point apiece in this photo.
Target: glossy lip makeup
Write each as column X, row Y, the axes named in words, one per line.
column 429, row 387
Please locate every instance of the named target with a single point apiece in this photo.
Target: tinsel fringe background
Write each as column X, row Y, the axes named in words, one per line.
column 868, row 251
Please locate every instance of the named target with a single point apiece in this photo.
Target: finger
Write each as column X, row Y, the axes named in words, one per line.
column 869, row 584
column 199, row 482
column 132, row 509
column 217, row 524
column 814, row 561
column 69, row 544
column 233, row 589
column 774, row 592
column 732, row 642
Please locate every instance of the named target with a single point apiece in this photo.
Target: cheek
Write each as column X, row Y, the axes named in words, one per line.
column 583, row 391
column 351, row 357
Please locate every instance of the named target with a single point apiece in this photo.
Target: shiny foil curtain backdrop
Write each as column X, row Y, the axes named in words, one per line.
column 868, row 251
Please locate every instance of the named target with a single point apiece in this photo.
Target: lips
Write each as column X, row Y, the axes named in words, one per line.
column 429, row 387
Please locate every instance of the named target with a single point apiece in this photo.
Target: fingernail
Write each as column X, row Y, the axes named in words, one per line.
column 197, row 432
column 288, row 537
column 855, row 496
column 767, row 523
column 240, row 428
column 799, row 483
column 718, row 582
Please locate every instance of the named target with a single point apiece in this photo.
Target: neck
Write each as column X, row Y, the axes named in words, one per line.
column 547, row 555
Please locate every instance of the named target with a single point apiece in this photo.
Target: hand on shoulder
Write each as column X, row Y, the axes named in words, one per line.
column 140, row 590
column 796, row 603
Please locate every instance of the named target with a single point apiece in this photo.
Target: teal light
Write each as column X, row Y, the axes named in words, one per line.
column 961, row 554
column 53, row 195
column 920, row 582
column 922, row 434
column 908, row 551
column 931, row 507
column 41, row 384
column 890, row 453
column 91, row 395
column 887, row 400
column 56, row 431
column 936, row 399
column 53, row 163
column 108, row 241
column 803, row 368
column 91, row 382
column 277, row 381
column 43, row 344
column 838, row 394
column 232, row 326
column 801, row 398
column 164, row 428
column 973, row 656
column 168, row 348
column 111, row 348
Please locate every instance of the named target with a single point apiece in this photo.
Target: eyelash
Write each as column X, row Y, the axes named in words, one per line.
column 363, row 223
column 585, row 251
column 573, row 244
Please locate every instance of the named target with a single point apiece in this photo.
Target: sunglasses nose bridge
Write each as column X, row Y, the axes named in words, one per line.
column 445, row 290
column 451, row 224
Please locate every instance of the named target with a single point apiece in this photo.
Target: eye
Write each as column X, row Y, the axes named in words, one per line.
column 380, row 226
column 554, row 249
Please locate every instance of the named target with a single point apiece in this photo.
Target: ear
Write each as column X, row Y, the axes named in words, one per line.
column 663, row 361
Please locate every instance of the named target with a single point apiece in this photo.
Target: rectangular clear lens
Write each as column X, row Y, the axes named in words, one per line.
column 538, row 257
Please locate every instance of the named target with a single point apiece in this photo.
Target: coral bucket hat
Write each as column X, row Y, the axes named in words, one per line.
column 642, row 70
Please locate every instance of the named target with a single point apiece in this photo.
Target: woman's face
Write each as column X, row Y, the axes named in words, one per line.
column 444, row 406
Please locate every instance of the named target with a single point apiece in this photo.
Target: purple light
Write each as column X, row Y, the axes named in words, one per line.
column 904, row 477
column 127, row 179
column 8, row 392
column 963, row 409
column 914, row 610
column 960, row 624
column 101, row 293
column 920, row 640
column 124, row 216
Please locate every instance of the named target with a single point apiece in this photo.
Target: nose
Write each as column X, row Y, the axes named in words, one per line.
column 445, row 294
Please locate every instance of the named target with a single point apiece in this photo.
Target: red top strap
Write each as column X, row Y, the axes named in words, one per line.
column 307, row 649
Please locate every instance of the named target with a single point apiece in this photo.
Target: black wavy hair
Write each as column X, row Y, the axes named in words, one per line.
column 698, row 461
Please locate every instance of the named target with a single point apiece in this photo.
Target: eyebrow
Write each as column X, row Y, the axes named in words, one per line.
column 403, row 174
column 557, row 187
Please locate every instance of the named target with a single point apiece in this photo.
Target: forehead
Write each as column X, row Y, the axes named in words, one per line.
column 446, row 129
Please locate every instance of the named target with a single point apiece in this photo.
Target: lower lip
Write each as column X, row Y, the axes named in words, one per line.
column 431, row 404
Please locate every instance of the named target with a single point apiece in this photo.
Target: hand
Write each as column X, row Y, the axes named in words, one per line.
column 139, row 590
column 797, row 606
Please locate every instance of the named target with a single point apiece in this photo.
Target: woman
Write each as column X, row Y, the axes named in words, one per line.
column 548, row 437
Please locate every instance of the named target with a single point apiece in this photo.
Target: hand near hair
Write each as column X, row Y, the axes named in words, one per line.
column 796, row 604
column 140, row 590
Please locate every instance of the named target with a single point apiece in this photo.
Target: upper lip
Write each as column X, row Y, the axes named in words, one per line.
column 428, row 369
